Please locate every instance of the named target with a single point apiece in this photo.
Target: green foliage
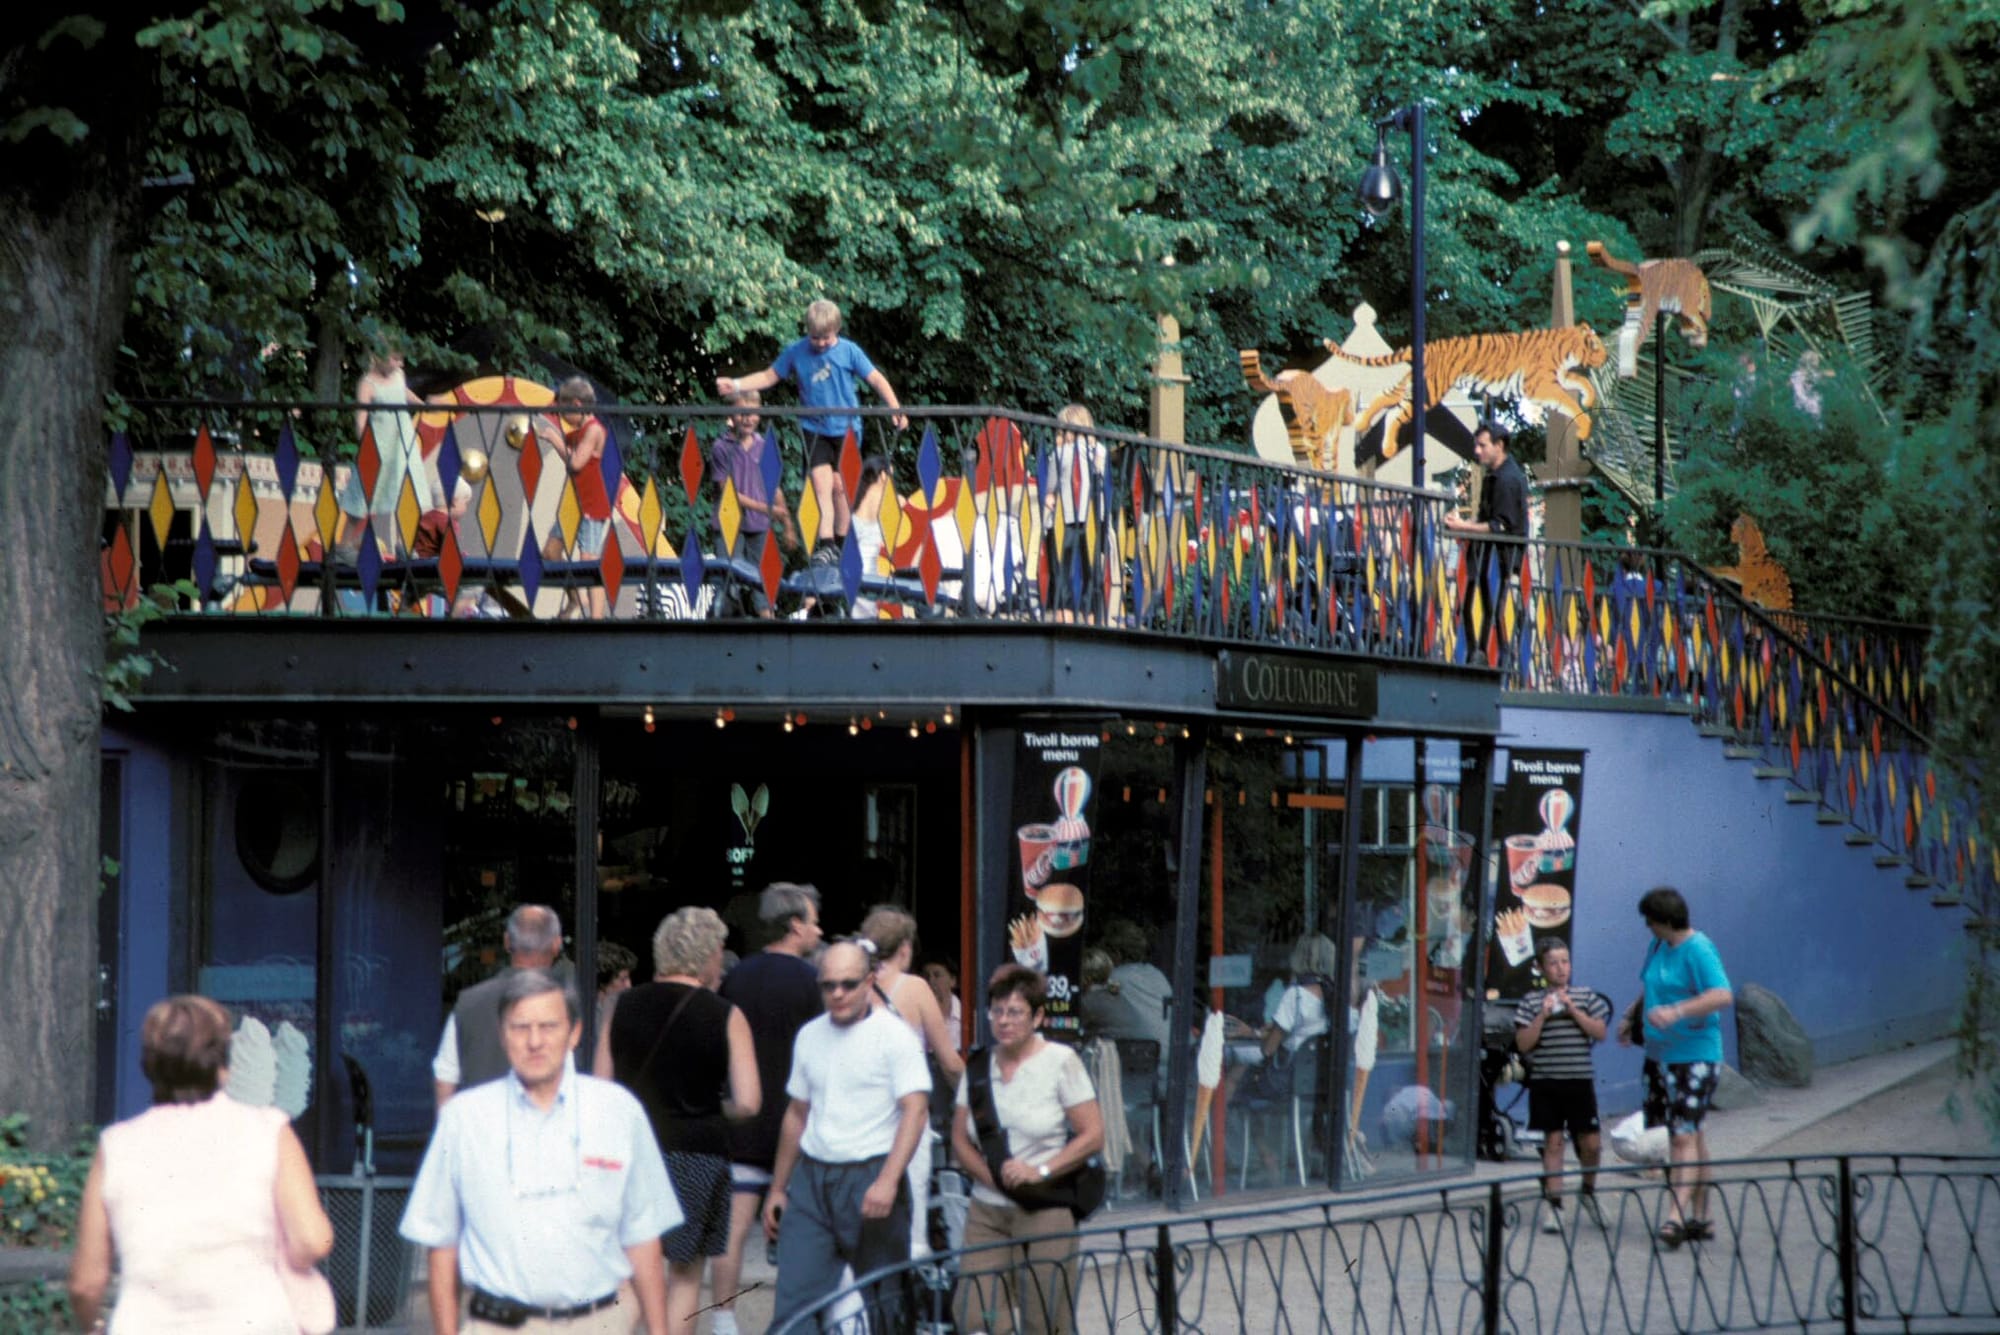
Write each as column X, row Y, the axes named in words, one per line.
column 39, row 1193
column 126, row 665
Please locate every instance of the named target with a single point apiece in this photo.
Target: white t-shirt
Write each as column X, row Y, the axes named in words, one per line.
column 853, row 1075
column 1301, row 1015
column 1033, row 1107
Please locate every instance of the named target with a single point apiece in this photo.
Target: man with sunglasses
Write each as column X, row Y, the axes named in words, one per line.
column 860, row 1098
column 544, row 1192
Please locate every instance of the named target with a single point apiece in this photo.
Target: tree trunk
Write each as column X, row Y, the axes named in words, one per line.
column 65, row 267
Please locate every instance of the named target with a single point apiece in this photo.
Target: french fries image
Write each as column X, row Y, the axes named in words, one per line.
column 1510, row 922
column 1024, row 936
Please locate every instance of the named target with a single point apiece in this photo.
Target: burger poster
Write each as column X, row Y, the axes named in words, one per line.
column 1536, row 823
column 1055, row 786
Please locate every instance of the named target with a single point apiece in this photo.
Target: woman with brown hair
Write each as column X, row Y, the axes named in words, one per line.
column 205, row 1201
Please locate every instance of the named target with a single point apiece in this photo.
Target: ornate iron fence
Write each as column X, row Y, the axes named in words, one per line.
column 982, row 512
column 1837, row 1243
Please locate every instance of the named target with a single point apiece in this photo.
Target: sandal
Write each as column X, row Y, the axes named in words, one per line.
column 1672, row 1234
column 1698, row 1230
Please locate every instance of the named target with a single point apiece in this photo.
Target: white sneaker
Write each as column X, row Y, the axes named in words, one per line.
column 1552, row 1220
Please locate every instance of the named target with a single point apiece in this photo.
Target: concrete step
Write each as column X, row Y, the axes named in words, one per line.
column 1946, row 899
column 1772, row 772
column 1742, row 752
column 1890, row 860
column 1916, row 880
column 1859, row 837
column 1800, row 796
column 1828, row 816
column 1714, row 730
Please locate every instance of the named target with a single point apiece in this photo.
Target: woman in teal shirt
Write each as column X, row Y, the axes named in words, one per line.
column 1680, row 1015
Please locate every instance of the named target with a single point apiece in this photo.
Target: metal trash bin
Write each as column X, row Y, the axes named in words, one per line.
column 370, row 1266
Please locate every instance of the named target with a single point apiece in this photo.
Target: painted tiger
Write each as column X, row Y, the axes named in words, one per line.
column 1312, row 412
column 1538, row 364
column 1652, row 286
column 1757, row 572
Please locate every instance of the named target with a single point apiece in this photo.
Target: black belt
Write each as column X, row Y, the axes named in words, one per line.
column 528, row 1312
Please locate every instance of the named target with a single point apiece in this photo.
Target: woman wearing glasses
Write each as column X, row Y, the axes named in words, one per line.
column 677, row 1045
column 1049, row 1125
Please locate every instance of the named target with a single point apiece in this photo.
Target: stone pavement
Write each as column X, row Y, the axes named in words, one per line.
column 1769, row 1266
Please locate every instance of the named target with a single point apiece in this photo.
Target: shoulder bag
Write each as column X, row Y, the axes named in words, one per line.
column 1080, row 1190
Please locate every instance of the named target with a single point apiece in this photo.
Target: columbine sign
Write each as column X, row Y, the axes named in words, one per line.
column 1289, row 684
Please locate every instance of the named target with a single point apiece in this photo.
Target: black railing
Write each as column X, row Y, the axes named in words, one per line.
column 1847, row 1243
column 468, row 509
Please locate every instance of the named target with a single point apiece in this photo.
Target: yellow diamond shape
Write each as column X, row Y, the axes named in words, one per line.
column 245, row 510
column 809, row 517
column 161, row 507
column 891, row 517
column 1060, row 530
column 729, row 514
column 326, row 509
column 1089, row 534
column 568, row 514
column 489, row 513
column 963, row 514
column 408, row 512
column 651, row 516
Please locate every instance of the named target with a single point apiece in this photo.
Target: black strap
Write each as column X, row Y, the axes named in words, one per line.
column 661, row 1037
column 985, row 1119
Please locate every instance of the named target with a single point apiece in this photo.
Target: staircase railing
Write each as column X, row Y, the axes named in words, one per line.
column 1831, row 700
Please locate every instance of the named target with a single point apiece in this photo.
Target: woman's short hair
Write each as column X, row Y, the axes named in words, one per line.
column 1315, row 953
column 890, row 929
column 1096, row 967
column 1664, row 905
column 183, row 1048
column 1017, row 980
column 687, row 940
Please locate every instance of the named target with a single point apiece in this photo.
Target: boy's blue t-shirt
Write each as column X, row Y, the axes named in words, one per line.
column 826, row 380
column 1674, row 974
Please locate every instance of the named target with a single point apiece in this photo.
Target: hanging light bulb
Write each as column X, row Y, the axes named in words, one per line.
column 649, row 718
column 853, row 728
column 719, row 720
column 947, row 716
column 913, row 727
column 788, row 723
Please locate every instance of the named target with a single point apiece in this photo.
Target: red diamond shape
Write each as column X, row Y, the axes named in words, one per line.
column 530, row 467
column 771, row 565
column 118, row 588
column 690, row 465
column 288, row 564
column 451, row 564
column 611, row 569
column 850, row 467
column 370, row 464
column 930, row 568
column 204, row 461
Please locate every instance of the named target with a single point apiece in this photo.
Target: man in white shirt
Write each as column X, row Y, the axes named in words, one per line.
column 470, row 1051
column 860, row 1098
column 544, row 1191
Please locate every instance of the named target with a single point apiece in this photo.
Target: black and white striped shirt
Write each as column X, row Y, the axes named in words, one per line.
column 1564, row 1050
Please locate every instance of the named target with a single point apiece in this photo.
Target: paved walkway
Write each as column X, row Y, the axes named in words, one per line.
column 1369, row 1270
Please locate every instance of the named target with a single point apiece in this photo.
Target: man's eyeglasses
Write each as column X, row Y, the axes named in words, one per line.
column 834, row 986
column 997, row 1013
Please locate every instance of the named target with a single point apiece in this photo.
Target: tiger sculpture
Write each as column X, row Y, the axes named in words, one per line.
column 1538, row 364
column 1757, row 572
column 1678, row 286
column 1312, row 412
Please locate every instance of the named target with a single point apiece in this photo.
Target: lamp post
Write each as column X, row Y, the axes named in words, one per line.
column 1379, row 190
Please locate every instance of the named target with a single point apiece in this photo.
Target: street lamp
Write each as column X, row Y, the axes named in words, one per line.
column 1380, row 189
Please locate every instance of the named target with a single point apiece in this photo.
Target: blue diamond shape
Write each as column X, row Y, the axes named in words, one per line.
column 204, row 561
column 850, row 566
column 693, row 568
column 613, row 462
column 121, row 464
column 772, row 465
column 368, row 565
column 531, row 565
column 450, row 464
column 1042, row 468
column 929, row 466
column 287, row 460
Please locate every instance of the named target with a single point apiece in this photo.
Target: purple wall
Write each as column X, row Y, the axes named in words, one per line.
column 1865, row 963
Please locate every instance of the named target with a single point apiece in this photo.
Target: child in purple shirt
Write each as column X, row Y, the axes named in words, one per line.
column 738, row 457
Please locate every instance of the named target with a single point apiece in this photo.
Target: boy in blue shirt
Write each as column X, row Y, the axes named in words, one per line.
column 824, row 367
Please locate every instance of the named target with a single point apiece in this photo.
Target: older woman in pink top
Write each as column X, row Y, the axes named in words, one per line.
column 201, row 1199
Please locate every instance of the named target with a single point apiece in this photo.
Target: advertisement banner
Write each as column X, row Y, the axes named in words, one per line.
column 1055, row 789
column 1535, row 825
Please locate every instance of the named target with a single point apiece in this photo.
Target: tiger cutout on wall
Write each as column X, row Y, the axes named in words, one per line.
column 1313, row 413
column 1542, row 365
column 1652, row 286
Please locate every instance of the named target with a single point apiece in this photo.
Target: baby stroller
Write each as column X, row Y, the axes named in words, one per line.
column 1501, row 1134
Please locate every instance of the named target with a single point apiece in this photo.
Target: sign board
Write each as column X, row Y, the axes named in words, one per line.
column 1279, row 683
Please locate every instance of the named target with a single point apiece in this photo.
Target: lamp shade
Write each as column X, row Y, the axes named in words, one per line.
column 1380, row 187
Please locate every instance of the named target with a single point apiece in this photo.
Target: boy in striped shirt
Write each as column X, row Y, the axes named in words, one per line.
column 1555, row 1026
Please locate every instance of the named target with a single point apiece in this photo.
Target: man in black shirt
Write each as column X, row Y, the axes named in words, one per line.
column 1503, row 508
column 778, row 992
